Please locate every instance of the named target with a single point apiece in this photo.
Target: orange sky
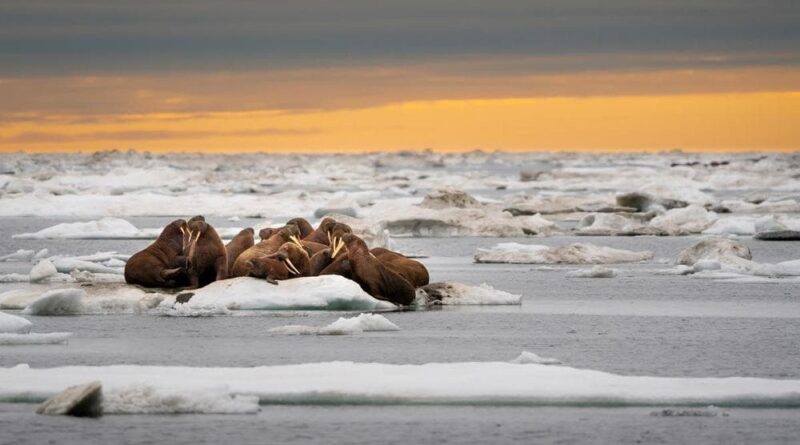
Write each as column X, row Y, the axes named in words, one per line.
column 395, row 108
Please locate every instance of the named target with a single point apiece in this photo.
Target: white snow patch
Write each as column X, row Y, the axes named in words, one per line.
column 576, row 253
column 691, row 219
column 342, row 326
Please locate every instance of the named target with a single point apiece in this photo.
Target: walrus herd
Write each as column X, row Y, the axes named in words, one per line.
column 190, row 254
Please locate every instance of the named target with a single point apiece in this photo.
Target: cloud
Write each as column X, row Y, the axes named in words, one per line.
column 52, row 36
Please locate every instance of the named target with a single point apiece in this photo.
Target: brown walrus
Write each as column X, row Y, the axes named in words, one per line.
column 241, row 242
column 303, row 225
column 206, row 259
column 322, row 259
column 373, row 276
column 290, row 261
column 267, row 232
column 320, row 235
column 413, row 271
column 263, row 248
column 162, row 263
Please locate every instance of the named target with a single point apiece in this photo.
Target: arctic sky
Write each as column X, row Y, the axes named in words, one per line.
column 378, row 75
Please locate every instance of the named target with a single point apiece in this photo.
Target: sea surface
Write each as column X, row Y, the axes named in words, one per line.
column 637, row 323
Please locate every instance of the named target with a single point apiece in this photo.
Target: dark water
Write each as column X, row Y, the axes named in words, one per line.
column 636, row 324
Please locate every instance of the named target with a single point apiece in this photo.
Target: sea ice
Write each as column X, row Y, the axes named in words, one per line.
column 594, row 272
column 21, row 255
column 479, row 383
column 576, row 253
column 51, row 338
column 342, row 326
column 327, row 292
column 96, row 229
column 450, row 293
column 529, row 358
column 13, row 324
column 42, row 270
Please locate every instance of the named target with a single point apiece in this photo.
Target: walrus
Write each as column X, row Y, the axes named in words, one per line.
column 162, row 263
column 303, row 225
column 413, row 271
column 266, row 232
column 206, row 259
column 263, row 248
column 241, row 242
column 290, row 261
column 373, row 276
column 320, row 235
column 324, row 259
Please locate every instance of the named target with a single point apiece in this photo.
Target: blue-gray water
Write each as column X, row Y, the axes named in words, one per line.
column 638, row 323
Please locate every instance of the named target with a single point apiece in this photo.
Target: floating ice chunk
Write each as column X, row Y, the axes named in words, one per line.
column 12, row 324
column 42, row 270
column 732, row 226
column 594, row 272
column 14, row 278
column 342, row 326
column 41, row 254
column 484, row 383
column 712, row 249
column 451, row 293
column 529, row 358
column 328, row 292
column 234, row 218
column 57, row 302
column 21, row 256
column 691, row 219
column 81, row 276
column 576, row 253
column 51, row 338
column 146, row 399
column 67, row 265
column 449, row 197
column 183, row 310
column 96, row 229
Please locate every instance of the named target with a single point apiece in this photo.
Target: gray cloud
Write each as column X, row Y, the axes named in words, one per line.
column 57, row 37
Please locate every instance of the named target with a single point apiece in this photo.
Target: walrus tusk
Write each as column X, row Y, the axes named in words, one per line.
column 295, row 240
column 329, row 237
column 291, row 266
column 337, row 247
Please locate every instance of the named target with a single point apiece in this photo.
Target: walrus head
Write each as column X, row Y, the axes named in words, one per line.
column 267, row 232
column 354, row 243
column 295, row 257
column 267, row 267
column 303, row 225
column 337, row 230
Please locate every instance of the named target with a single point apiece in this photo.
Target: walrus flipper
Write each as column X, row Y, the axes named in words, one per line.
column 394, row 287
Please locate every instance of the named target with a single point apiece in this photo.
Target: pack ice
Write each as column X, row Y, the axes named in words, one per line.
column 480, row 383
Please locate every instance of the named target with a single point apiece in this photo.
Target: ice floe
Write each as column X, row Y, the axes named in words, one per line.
column 342, row 326
column 13, row 324
column 528, row 358
column 686, row 220
column 594, row 272
column 21, row 255
column 327, row 292
column 576, row 253
column 147, row 399
column 97, row 229
column 41, row 271
column 454, row 294
column 51, row 338
column 479, row 383
column 712, row 249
